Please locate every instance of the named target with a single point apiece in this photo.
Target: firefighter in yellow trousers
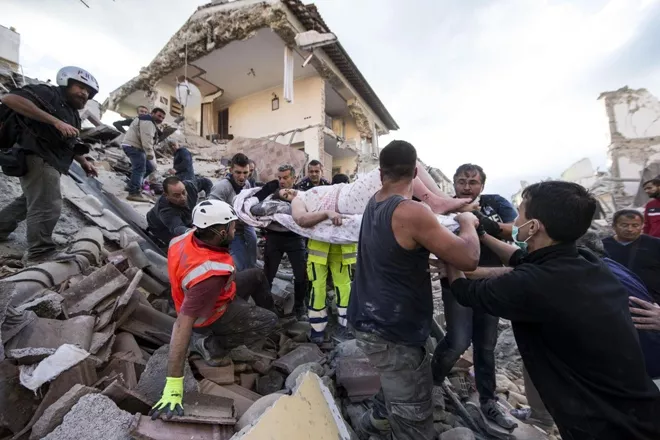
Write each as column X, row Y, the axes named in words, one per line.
column 338, row 259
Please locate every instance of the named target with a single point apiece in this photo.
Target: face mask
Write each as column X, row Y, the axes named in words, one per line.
column 514, row 235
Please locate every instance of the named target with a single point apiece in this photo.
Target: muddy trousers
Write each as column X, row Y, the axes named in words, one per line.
column 40, row 205
column 242, row 323
column 317, row 274
column 405, row 396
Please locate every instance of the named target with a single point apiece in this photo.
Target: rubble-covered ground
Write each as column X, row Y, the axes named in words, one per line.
column 90, row 338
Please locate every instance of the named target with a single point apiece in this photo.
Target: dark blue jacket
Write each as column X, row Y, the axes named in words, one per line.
column 649, row 340
column 183, row 164
column 498, row 209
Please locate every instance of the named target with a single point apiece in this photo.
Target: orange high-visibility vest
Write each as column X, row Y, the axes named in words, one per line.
column 189, row 264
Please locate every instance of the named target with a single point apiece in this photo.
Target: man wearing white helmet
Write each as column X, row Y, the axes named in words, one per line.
column 210, row 298
column 47, row 122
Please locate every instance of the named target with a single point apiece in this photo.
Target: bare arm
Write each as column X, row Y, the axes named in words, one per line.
column 487, row 272
column 27, row 108
column 461, row 251
column 306, row 219
column 181, row 334
column 504, row 251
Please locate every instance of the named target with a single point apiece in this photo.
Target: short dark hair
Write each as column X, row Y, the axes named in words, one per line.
column 628, row 213
column 340, row 178
column 592, row 241
column 170, row 181
column 287, row 167
column 470, row 168
column 566, row 209
column 240, row 159
column 655, row 181
column 398, row 161
column 158, row 110
column 314, row 163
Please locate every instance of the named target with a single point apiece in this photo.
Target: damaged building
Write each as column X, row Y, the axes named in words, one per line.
column 270, row 70
column 633, row 155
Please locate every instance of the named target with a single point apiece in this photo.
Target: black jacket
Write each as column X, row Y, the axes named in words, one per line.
column 575, row 335
column 43, row 139
column 183, row 164
column 167, row 221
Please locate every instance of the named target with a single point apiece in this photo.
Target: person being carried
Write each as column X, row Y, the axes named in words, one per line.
column 570, row 320
column 172, row 214
column 47, row 140
column 391, row 304
column 183, row 168
column 138, row 144
column 210, row 297
column 330, row 202
column 244, row 246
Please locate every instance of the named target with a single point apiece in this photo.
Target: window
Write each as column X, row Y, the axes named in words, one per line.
column 176, row 109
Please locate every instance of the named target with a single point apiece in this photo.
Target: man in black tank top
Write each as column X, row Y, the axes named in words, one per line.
column 391, row 306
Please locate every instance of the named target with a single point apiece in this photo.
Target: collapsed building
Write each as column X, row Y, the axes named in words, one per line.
column 270, row 70
column 633, row 155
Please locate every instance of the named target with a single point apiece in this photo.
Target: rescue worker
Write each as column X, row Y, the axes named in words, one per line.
column 138, row 144
column 314, row 173
column 210, row 298
column 338, row 259
column 172, row 214
column 48, row 122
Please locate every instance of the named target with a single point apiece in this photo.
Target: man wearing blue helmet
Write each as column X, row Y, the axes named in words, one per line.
column 46, row 124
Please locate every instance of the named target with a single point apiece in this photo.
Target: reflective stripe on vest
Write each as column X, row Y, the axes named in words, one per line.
column 202, row 269
column 175, row 240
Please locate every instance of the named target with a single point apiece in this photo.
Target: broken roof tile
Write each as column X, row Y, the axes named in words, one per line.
column 51, row 333
column 143, row 428
column 358, row 377
column 82, row 297
column 297, row 357
column 241, row 402
column 219, row 375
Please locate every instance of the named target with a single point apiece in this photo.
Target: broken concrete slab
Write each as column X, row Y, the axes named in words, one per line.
column 248, row 380
column 301, row 355
column 270, row 383
column 311, row 412
column 65, row 357
column 143, row 428
column 152, row 382
column 127, row 400
column 55, row 413
column 241, row 403
column 302, row 369
column 29, row 356
column 82, row 297
column 48, row 305
column 360, row 380
column 219, row 375
column 206, row 408
column 150, row 325
column 17, row 403
column 257, row 410
column 94, row 417
column 51, row 333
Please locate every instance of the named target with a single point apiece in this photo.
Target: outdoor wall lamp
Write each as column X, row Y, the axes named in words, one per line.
column 275, row 103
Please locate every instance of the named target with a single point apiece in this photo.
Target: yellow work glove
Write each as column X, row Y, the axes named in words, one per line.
column 172, row 400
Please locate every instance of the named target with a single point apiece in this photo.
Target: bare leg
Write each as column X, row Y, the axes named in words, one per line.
column 438, row 204
column 428, row 181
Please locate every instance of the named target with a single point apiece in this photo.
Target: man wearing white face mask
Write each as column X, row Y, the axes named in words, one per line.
column 570, row 319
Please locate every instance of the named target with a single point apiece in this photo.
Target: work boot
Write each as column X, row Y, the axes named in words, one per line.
column 495, row 413
column 138, row 198
column 369, row 425
column 198, row 346
column 47, row 257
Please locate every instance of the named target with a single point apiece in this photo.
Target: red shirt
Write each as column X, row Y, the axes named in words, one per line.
column 652, row 218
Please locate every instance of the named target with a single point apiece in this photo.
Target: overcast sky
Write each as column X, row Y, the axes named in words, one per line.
column 509, row 84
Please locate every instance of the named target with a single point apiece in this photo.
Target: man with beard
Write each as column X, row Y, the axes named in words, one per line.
column 47, row 122
column 465, row 325
column 243, row 247
column 652, row 210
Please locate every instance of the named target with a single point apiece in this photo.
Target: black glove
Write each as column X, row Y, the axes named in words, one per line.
column 268, row 189
column 490, row 227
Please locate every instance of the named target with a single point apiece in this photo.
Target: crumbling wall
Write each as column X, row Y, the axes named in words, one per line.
column 634, row 122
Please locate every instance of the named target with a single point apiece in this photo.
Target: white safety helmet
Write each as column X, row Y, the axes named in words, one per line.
column 81, row 75
column 213, row 212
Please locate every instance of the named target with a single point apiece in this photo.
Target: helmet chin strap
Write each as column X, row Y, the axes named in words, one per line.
column 225, row 239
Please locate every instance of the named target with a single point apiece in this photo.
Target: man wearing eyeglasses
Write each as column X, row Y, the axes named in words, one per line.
column 465, row 325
